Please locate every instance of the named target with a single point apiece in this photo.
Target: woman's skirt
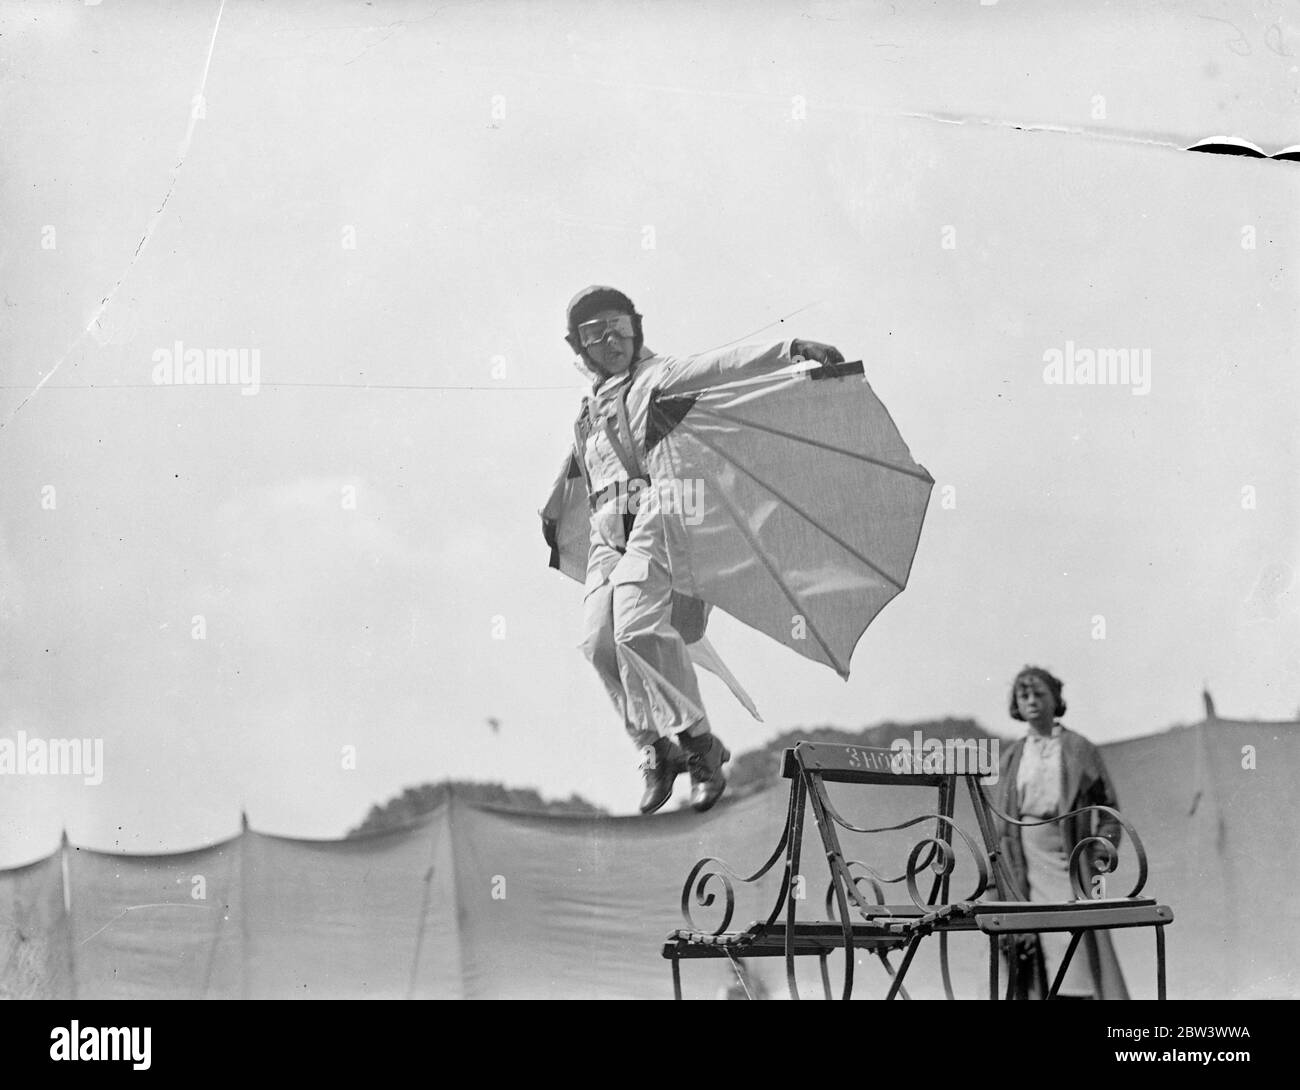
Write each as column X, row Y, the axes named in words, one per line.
column 1048, row 873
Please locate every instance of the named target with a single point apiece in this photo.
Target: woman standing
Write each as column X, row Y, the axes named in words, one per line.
column 1048, row 773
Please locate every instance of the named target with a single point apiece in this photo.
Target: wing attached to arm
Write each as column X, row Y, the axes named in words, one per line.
column 566, row 522
column 809, row 505
column 566, row 526
column 688, row 374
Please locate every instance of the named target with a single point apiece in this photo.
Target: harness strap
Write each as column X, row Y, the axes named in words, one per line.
column 631, row 463
column 626, row 454
column 580, row 448
column 630, row 466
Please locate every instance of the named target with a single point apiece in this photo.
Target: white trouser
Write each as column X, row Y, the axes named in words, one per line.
column 627, row 630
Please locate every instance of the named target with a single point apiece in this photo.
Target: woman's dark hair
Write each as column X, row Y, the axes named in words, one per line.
column 1053, row 683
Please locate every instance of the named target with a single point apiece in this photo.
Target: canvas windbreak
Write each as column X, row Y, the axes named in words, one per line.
column 479, row 903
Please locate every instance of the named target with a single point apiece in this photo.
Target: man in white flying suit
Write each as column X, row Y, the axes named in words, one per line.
column 629, row 636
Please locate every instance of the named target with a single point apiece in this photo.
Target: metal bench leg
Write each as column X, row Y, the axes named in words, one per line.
column 884, row 960
column 794, row 823
column 993, row 967
column 1160, row 963
column 1075, row 936
column 826, row 975
column 791, row 982
column 902, row 969
column 677, row 978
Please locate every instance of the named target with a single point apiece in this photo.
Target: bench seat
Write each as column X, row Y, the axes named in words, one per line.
column 810, row 937
column 881, row 929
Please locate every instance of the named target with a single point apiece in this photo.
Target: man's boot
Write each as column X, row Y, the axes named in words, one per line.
column 705, row 756
column 660, row 764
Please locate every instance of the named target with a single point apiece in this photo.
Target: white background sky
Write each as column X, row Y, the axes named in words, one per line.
column 373, row 627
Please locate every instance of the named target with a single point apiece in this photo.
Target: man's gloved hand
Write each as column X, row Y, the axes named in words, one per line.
column 826, row 354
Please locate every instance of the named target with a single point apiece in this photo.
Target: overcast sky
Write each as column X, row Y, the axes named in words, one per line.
column 726, row 165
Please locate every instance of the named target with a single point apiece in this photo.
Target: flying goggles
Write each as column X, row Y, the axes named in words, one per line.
column 596, row 330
